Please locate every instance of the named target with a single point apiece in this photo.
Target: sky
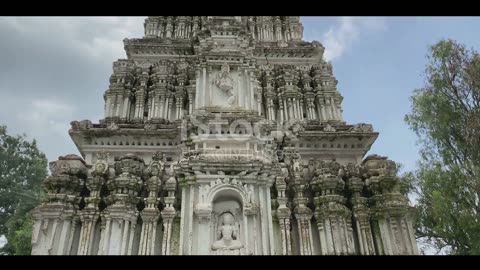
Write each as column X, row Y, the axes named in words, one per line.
column 54, row 70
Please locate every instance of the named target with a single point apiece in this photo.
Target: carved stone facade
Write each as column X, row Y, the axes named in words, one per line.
column 223, row 135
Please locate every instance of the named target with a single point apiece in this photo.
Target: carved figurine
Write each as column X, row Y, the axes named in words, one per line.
column 225, row 83
column 227, row 234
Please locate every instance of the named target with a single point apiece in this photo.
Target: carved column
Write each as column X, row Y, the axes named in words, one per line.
column 289, row 109
column 126, row 104
column 332, row 215
column 195, row 26
column 205, row 91
column 139, row 105
column 168, row 214
column 169, row 27
column 150, row 214
column 161, row 108
column 118, row 104
column 285, row 109
column 191, row 95
column 361, row 213
column 108, row 104
column 251, row 82
column 123, row 213
column 391, row 215
column 301, row 102
column 54, row 220
column 281, row 108
column 150, row 105
column 90, row 214
column 321, row 108
column 203, row 212
column 179, row 107
column 328, row 109
column 283, row 214
column 159, row 31
column 251, row 214
column 302, row 213
column 258, row 91
column 168, row 103
column 295, row 108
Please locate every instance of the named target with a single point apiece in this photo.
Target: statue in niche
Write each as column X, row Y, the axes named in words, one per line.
column 227, row 234
column 225, row 82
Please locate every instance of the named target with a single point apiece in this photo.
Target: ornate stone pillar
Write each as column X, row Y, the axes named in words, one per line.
column 108, row 104
column 332, row 215
column 191, row 95
column 295, row 108
column 125, row 107
column 123, row 213
column 302, row 213
column 361, row 213
column 328, row 109
column 168, row 214
column 251, row 214
column 258, row 91
column 311, row 106
column 150, row 214
column 90, row 214
column 391, row 215
column 54, row 219
column 203, row 212
column 161, row 109
column 285, row 109
column 281, row 108
column 139, row 105
column 168, row 103
column 205, row 91
column 283, row 214
column 301, row 102
column 161, row 27
column 290, row 109
column 118, row 105
column 150, row 105
column 169, row 27
column 195, row 26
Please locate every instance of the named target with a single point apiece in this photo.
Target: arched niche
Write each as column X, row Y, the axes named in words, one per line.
column 228, row 223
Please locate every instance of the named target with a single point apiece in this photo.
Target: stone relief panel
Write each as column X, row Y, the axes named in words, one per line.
column 225, row 88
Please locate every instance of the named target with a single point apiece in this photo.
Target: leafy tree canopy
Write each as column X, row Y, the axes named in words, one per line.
column 445, row 114
column 22, row 170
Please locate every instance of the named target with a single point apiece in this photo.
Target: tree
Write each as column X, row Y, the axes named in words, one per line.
column 446, row 117
column 22, row 170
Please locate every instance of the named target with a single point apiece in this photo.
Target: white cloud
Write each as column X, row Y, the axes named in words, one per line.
column 47, row 117
column 90, row 36
column 342, row 35
column 53, row 65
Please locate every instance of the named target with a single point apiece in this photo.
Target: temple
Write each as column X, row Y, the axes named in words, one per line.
column 223, row 135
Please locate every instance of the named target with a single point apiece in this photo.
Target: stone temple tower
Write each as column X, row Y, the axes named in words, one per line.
column 223, row 135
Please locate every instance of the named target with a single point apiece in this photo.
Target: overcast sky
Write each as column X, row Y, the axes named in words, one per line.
column 55, row 69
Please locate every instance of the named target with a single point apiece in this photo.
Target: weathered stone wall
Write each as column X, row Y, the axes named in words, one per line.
column 223, row 135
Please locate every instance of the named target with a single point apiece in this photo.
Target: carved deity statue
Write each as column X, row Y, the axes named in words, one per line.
column 227, row 234
column 225, row 82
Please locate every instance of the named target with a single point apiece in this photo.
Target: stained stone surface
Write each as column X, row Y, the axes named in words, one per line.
column 223, row 136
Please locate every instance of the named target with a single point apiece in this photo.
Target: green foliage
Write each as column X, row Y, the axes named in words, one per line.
column 22, row 170
column 446, row 117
